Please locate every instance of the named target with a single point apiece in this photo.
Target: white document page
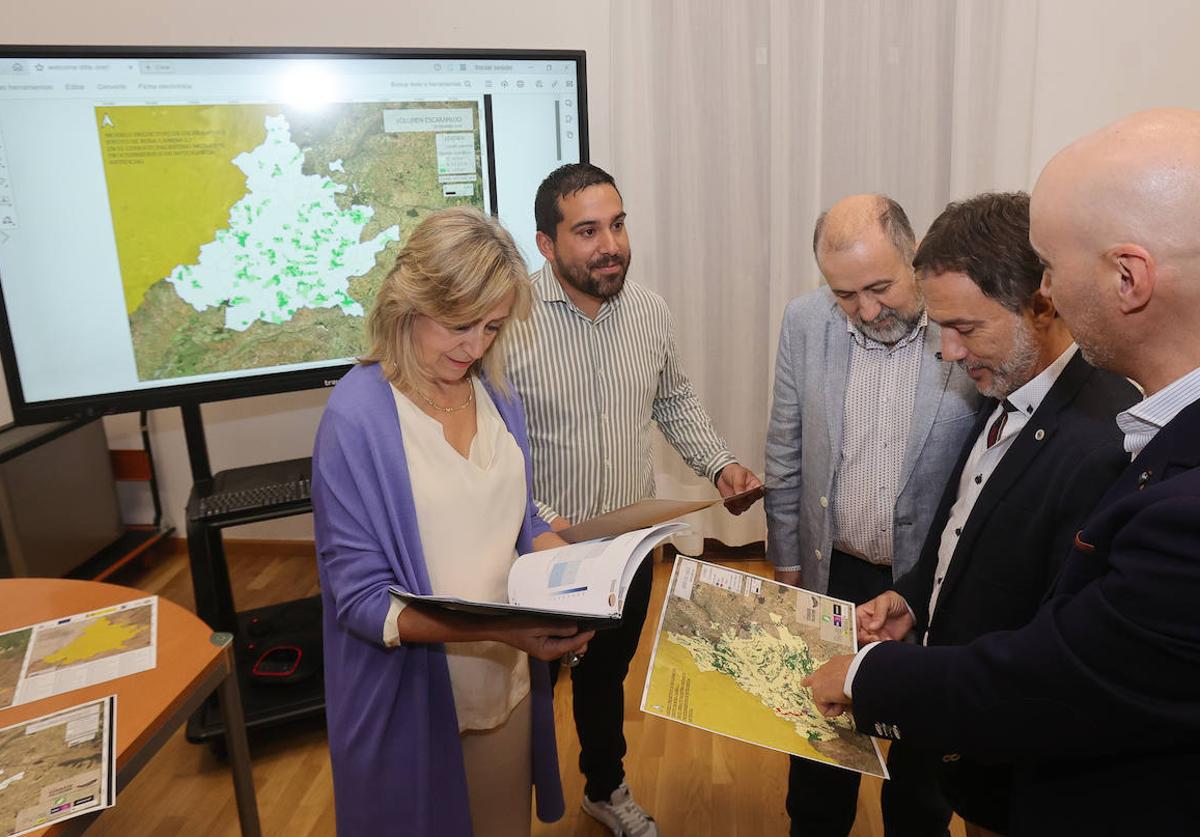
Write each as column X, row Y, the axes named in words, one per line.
column 589, row 578
column 83, row 649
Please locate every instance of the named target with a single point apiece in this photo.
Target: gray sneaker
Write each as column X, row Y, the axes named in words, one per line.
column 623, row 816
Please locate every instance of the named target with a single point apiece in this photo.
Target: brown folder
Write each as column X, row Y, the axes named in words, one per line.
column 645, row 513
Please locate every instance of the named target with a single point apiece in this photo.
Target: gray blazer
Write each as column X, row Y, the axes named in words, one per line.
column 804, row 441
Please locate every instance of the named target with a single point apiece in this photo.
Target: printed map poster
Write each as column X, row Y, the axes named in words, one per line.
column 252, row 235
column 58, row 766
column 730, row 652
column 80, row 650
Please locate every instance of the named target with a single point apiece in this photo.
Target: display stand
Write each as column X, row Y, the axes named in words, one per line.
column 297, row 622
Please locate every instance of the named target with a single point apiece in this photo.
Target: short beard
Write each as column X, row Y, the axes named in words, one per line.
column 1102, row 357
column 889, row 326
column 1097, row 354
column 582, row 279
column 1016, row 370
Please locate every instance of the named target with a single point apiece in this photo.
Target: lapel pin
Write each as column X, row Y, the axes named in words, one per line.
column 1041, row 434
column 1143, row 478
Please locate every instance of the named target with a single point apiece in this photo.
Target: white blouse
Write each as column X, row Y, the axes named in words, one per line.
column 469, row 513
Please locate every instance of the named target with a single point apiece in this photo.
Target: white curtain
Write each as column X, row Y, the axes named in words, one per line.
column 735, row 123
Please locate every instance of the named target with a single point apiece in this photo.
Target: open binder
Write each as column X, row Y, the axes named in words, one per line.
column 586, row 581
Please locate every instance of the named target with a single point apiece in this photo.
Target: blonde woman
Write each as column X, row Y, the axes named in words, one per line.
column 438, row 723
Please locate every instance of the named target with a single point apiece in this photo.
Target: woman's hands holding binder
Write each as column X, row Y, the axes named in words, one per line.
column 544, row 640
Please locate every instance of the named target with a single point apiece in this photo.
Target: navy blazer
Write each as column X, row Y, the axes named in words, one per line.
column 1014, row 541
column 1097, row 699
column 1023, row 523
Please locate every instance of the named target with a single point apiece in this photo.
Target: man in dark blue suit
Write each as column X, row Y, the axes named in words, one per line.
column 1044, row 448
column 1097, row 700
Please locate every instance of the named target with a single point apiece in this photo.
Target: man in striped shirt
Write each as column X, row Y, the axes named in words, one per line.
column 595, row 364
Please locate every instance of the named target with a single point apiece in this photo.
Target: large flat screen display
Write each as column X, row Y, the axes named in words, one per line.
column 186, row 225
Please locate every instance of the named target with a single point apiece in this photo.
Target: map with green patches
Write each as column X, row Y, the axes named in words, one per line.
column 251, row 236
column 731, row 651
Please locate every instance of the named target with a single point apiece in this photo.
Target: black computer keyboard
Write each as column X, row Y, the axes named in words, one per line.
column 260, row 496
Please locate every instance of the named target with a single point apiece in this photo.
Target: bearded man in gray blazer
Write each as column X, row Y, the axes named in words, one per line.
column 866, row 424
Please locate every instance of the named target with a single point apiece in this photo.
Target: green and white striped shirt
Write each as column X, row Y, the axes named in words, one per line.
column 591, row 389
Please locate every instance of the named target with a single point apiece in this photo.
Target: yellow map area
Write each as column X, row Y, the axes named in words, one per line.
column 712, row 700
column 172, row 162
column 98, row 638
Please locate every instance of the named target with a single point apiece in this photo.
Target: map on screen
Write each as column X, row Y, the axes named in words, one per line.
column 284, row 221
column 185, row 225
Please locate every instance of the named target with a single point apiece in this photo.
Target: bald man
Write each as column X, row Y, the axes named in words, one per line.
column 866, row 424
column 1097, row 700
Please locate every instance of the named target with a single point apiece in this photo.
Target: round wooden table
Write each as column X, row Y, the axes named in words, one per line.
column 192, row 662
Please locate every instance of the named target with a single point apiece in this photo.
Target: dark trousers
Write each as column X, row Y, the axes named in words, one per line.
column 598, row 686
column 822, row 800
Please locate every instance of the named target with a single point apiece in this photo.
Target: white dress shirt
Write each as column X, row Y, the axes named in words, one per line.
column 983, row 460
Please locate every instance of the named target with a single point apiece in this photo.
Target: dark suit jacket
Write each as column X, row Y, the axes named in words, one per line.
column 1097, row 699
column 1015, row 539
column 1022, row 525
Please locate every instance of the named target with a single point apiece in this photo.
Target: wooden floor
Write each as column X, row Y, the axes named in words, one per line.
column 694, row 783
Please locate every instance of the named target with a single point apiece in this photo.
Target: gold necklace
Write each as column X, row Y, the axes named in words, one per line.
column 439, row 407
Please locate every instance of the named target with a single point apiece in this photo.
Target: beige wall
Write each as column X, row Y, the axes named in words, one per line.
column 269, row 428
column 1098, row 60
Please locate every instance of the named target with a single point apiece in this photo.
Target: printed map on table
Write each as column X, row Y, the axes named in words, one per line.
column 57, row 766
column 256, row 235
column 730, row 652
column 79, row 650
column 13, row 647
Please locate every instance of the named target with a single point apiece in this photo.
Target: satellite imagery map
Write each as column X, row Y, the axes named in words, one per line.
column 280, row 222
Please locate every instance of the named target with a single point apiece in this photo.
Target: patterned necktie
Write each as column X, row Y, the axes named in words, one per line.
column 997, row 427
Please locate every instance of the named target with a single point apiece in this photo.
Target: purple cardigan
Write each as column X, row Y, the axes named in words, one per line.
column 393, row 732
